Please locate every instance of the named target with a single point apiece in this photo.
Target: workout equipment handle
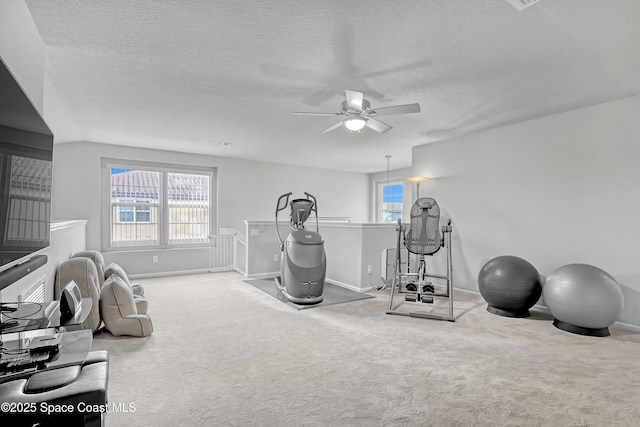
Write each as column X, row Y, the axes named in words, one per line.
column 278, row 209
column 314, row 208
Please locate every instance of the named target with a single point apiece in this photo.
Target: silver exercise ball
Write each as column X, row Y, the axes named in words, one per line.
column 583, row 299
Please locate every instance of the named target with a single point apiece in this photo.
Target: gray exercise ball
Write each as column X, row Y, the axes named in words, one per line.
column 510, row 285
column 583, row 299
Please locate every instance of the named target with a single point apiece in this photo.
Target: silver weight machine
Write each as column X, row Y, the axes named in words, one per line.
column 424, row 237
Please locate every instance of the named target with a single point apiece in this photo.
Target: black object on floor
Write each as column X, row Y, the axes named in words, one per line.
column 332, row 294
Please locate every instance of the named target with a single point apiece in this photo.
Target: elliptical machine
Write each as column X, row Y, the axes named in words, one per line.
column 303, row 262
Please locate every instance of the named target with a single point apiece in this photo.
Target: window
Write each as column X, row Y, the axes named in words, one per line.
column 188, row 206
column 133, row 210
column 390, row 201
column 157, row 205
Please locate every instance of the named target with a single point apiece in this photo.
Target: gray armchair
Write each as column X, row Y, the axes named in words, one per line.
column 97, row 259
column 83, row 272
column 119, row 310
column 104, row 271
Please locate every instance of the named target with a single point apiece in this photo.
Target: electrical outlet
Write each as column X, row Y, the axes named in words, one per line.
column 155, row 258
column 368, row 269
column 276, row 258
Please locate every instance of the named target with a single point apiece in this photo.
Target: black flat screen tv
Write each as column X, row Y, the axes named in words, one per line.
column 26, row 155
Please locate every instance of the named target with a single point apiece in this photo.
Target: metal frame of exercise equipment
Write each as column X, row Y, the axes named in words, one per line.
column 425, row 291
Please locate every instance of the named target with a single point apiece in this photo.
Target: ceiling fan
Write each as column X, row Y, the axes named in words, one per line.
column 358, row 113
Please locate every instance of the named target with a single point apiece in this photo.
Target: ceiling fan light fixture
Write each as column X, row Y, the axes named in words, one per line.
column 355, row 124
column 357, row 113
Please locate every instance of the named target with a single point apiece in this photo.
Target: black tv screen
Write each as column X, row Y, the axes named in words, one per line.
column 26, row 154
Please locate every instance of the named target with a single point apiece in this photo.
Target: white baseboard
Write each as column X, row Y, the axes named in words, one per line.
column 627, row 326
column 269, row 275
column 347, row 286
column 178, row 273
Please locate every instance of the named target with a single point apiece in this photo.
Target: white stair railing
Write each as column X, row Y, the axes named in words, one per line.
column 228, row 251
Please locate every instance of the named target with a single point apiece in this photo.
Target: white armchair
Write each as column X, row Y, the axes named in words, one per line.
column 119, row 310
column 83, row 272
column 104, row 271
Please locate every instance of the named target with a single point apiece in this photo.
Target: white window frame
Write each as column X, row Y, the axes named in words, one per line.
column 163, row 203
column 379, row 188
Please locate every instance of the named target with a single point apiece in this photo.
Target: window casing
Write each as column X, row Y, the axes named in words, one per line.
column 151, row 205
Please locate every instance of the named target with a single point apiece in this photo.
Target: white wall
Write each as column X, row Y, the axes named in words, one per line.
column 262, row 249
column 246, row 190
column 557, row 190
column 22, row 49
column 351, row 248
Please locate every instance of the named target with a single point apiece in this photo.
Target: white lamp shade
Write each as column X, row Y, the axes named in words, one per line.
column 355, row 124
column 418, row 179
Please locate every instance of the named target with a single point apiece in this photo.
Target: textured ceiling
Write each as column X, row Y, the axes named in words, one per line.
column 188, row 75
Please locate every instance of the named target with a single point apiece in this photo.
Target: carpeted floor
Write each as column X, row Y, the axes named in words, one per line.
column 332, row 294
column 224, row 353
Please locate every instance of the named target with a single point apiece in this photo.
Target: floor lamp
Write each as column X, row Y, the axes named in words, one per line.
column 417, row 180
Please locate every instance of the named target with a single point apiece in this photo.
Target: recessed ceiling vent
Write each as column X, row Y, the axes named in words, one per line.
column 522, row 4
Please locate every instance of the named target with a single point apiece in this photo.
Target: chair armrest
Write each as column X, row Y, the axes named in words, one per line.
column 142, row 306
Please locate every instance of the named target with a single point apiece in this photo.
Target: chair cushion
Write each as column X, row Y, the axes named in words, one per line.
column 51, row 379
column 96, row 356
column 84, row 273
column 118, row 295
column 97, row 259
column 119, row 311
column 114, row 268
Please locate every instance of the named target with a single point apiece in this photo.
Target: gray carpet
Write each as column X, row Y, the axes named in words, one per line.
column 224, row 354
column 332, row 294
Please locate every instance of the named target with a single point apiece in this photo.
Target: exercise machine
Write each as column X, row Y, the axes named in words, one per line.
column 424, row 237
column 303, row 263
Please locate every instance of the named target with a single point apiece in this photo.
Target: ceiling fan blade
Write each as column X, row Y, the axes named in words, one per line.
column 377, row 125
column 398, row 69
column 332, row 127
column 316, row 114
column 395, row 109
column 354, row 99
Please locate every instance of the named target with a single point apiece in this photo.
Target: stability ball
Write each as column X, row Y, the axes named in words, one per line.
column 583, row 299
column 510, row 286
